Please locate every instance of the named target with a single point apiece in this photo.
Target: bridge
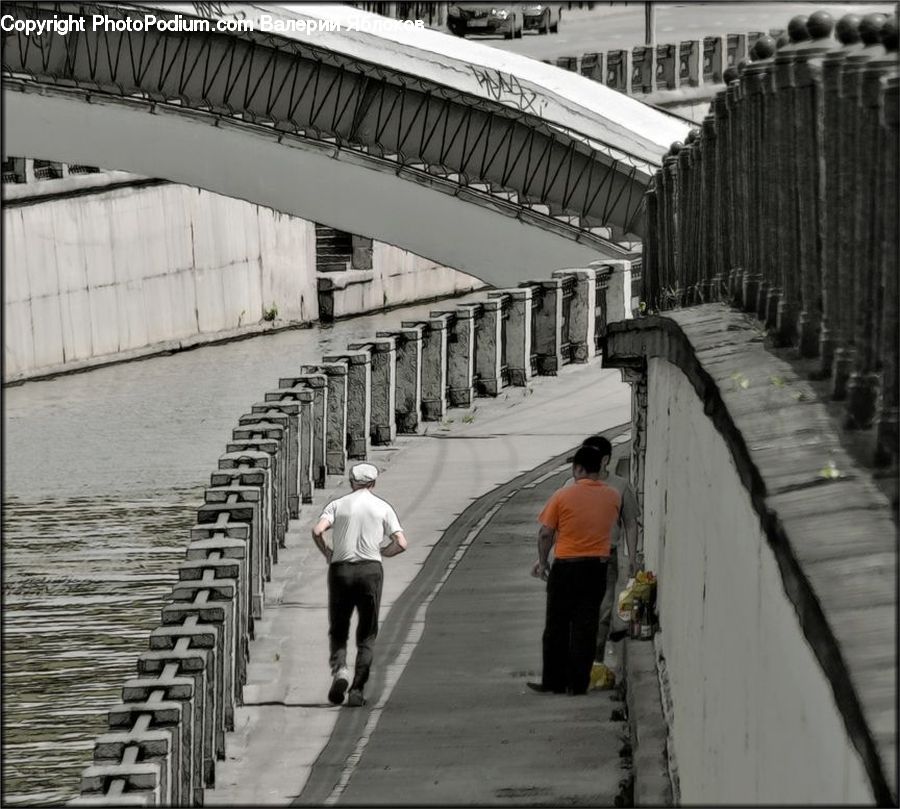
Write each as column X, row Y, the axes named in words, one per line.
column 769, row 504
column 293, row 122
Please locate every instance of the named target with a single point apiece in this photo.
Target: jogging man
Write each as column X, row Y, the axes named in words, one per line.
column 578, row 521
column 360, row 522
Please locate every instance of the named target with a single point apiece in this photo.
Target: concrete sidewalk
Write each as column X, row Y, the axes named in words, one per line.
column 286, row 722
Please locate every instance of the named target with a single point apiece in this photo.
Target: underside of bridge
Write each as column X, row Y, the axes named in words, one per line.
column 371, row 147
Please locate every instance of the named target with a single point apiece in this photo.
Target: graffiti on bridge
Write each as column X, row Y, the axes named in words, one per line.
column 507, row 88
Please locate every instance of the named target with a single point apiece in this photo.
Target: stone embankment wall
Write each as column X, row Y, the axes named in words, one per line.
column 107, row 267
column 168, row 732
column 765, row 423
column 395, row 278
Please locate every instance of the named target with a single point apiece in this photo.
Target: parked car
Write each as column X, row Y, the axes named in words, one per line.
column 544, row 17
column 479, row 18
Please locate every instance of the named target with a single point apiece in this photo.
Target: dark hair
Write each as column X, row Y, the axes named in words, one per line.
column 600, row 443
column 588, row 458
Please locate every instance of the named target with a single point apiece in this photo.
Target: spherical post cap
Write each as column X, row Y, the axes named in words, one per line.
column 889, row 34
column 676, row 147
column 731, row 73
column 797, row 28
column 743, row 65
column 783, row 39
column 847, row 29
column 820, row 25
column 692, row 136
column 763, row 48
column 870, row 28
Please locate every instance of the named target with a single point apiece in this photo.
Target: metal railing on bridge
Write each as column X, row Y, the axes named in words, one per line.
column 785, row 203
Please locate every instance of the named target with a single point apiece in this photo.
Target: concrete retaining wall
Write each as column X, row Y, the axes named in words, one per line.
column 397, row 278
column 167, row 734
column 755, row 720
column 98, row 274
column 777, row 560
column 94, row 276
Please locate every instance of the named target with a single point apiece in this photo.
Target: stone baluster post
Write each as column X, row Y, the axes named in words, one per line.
column 490, row 327
column 318, row 384
column 434, row 368
column 359, row 386
column 835, row 150
column 518, row 333
column 546, row 324
column 850, row 193
column 650, row 248
column 305, row 398
column 384, row 380
column 336, row 427
column 809, row 135
column 863, row 385
column 750, row 78
column 888, row 426
column 582, row 315
column 460, row 355
column 292, row 410
column 408, row 376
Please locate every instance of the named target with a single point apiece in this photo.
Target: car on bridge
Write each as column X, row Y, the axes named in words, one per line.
column 544, row 17
column 478, row 18
column 510, row 19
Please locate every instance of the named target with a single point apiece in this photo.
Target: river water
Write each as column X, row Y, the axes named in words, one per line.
column 103, row 473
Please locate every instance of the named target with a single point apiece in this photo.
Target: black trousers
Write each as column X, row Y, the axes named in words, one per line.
column 354, row 586
column 575, row 590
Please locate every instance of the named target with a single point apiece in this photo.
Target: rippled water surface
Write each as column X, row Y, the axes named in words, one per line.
column 104, row 471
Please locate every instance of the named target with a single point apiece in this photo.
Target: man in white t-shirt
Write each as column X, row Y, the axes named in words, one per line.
column 359, row 522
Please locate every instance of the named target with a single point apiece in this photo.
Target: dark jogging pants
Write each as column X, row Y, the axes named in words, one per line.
column 575, row 590
column 354, row 586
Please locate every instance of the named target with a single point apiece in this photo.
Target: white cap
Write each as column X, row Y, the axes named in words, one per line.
column 363, row 473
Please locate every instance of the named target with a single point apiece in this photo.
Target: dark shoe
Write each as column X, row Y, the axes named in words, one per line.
column 541, row 690
column 339, row 686
column 355, row 698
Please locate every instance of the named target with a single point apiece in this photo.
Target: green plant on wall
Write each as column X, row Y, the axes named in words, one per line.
column 271, row 313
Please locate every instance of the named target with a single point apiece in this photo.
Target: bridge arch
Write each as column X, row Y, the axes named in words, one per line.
column 320, row 130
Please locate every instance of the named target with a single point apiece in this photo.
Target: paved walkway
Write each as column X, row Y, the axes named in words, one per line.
column 449, row 712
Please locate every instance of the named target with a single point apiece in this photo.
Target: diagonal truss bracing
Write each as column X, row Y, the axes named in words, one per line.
column 307, row 90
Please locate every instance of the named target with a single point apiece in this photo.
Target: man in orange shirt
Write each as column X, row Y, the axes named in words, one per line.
column 577, row 520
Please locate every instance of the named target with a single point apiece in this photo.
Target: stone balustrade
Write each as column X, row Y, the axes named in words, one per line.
column 168, row 732
column 785, row 204
column 645, row 70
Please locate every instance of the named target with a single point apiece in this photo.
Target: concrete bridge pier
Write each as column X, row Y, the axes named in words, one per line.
column 359, row 386
column 336, row 425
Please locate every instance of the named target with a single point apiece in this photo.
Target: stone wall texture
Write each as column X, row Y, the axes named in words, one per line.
column 98, row 275
column 755, row 720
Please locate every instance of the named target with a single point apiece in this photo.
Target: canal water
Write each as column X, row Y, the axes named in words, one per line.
column 104, row 472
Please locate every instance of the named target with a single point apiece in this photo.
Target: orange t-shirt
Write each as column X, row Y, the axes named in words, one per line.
column 583, row 516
